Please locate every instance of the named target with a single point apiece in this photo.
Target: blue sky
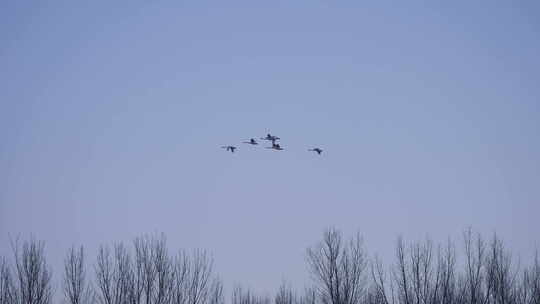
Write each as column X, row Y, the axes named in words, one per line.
column 112, row 115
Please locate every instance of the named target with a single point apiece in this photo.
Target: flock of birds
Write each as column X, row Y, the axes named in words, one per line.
column 274, row 146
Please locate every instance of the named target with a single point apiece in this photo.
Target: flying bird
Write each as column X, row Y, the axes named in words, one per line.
column 271, row 137
column 319, row 151
column 275, row 147
column 252, row 141
column 229, row 148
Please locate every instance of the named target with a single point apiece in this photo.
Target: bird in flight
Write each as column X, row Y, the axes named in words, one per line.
column 275, row 147
column 271, row 137
column 229, row 148
column 319, row 151
column 252, row 141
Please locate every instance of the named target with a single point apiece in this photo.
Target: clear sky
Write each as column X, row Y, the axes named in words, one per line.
column 112, row 114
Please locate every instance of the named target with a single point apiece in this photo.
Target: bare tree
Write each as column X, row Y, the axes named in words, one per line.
column 113, row 275
column 142, row 283
column 180, row 273
column 199, row 277
column 241, row 296
column 500, row 277
column 529, row 290
column 163, row 268
column 151, row 279
column 378, row 291
column 473, row 286
column 76, row 288
column 104, row 276
column 533, row 284
column 424, row 283
column 309, row 296
column 401, row 275
column 446, row 293
column 338, row 269
column 8, row 292
column 33, row 273
column 216, row 292
column 419, row 276
column 285, row 295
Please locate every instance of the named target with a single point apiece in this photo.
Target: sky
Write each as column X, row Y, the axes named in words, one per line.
column 112, row 116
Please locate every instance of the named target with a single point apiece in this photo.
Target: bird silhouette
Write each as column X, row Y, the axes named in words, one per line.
column 319, row 151
column 252, row 141
column 229, row 148
column 271, row 138
column 275, row 147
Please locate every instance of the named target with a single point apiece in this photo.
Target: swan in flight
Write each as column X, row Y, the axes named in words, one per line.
column 229, row 148
column 252, row 141
column 275, row 147
column 271, row 137
column 319, row 151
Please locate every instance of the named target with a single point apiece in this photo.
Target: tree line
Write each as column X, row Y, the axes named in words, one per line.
column 342, row 273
